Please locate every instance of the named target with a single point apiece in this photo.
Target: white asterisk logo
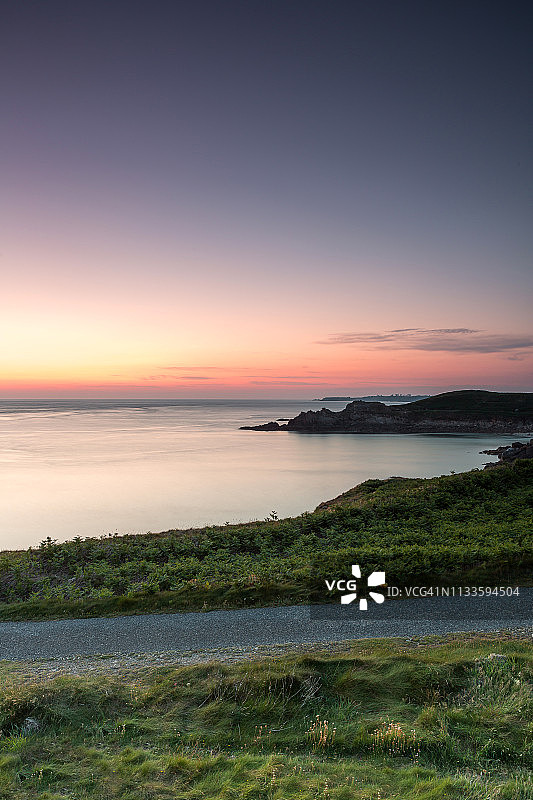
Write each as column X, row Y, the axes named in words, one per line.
column 374, row 579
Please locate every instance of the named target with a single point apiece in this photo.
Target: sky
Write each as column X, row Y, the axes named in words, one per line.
column 264, row 199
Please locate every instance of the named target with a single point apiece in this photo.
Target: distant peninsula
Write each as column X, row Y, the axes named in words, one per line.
column 468, row 411
column 379, row 398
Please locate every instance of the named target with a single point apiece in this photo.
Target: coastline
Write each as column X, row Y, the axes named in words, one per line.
column 467, row 412
column 473, row 526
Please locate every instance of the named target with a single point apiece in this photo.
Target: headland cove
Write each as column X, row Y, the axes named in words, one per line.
column 474, row 527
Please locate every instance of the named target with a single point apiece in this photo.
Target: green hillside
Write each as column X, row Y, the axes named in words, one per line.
column 517, row 404
column 475, row 527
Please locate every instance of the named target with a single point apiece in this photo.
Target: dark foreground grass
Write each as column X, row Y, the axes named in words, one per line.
column 474, row 528
column 384, row 721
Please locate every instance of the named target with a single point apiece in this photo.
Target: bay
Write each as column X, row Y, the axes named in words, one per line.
column 94, row 467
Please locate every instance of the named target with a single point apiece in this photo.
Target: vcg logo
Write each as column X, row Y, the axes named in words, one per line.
column 349, row 588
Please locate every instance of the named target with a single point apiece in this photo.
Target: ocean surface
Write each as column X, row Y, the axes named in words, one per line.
column 89, row 468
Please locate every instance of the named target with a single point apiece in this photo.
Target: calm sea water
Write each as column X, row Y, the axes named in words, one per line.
column 87, row 468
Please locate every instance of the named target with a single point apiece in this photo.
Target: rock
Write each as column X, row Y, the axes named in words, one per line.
column 509, row 453
column 495, row 452
column 30, row 725
column 268, row 426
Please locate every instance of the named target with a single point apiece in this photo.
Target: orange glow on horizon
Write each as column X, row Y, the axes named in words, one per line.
column 309, row 376
column 174, row 335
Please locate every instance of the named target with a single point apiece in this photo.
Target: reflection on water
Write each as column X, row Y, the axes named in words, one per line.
column 85, row 468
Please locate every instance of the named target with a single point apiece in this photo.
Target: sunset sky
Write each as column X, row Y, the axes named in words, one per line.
column 264, row 199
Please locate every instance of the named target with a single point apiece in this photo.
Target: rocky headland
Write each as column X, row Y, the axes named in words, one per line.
column 451, row 412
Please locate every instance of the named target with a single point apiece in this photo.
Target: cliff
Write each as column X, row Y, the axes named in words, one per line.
column 450, row 412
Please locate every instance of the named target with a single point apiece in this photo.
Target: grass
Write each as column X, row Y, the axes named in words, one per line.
column 473, row 528
column 386, row 720
column 479, row 403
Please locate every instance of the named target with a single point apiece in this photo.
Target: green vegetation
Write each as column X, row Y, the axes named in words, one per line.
column 386, row 721
column 474, row 527
column 479, row 403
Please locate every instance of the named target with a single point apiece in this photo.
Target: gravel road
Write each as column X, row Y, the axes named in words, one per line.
column 260, row 627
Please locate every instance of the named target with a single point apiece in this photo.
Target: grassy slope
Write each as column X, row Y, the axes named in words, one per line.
column 479, row 403
column 473, row 527
column 386, row 721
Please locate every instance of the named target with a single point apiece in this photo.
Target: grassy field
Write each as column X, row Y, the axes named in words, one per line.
column 387, row 719
column 474, row 527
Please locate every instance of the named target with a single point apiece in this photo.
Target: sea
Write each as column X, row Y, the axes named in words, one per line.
column 97, row 467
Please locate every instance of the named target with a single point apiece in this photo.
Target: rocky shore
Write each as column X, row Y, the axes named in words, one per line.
column 451, row 412
column 509, row 453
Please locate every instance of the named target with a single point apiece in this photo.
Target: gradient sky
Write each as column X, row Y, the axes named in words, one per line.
column 264, row 199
